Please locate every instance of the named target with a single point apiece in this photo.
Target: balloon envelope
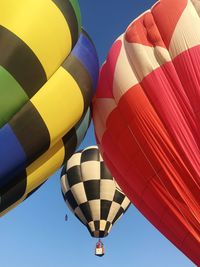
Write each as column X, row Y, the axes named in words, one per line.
column 146, row 117
column 91, row 193
column 25, row 183
column 36, row 37
column 48, row 74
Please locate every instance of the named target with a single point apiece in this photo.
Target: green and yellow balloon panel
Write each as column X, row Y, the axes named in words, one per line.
column 48, row 72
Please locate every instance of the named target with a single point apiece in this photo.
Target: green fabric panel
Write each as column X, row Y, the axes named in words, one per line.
column 12, row 96
column 76, row 7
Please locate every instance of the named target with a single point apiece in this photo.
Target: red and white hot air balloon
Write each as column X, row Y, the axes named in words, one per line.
column 147, row 119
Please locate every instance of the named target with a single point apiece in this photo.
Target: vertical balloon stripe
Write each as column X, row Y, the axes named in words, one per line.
column 42, row 26
column 70, row 15
column 70, row 143
column 12, row 96
column 76, row 7
column 26, row 124
column 20, row 61
column 187, row 66
column 81, row 76
column 105, row 207
column 87, row 59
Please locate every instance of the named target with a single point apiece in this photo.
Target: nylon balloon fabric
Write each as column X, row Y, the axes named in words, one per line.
column 36, row 37
column 91, row 193
column 146, row 117
column 24, row 184
column 48, row 74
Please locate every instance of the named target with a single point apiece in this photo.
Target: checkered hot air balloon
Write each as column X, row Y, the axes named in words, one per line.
column 48, row 73
column 147, row 119
column 91, row 193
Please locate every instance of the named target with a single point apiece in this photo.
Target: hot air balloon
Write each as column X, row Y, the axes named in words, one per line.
column 146, row 117
column 36, row 37
column 46, row 89
column 92, row 194
column 24, row 184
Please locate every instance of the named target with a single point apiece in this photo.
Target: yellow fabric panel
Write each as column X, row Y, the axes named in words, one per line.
column 13, row 206
column 42, row 26
column 44, row 166
column 60, row 104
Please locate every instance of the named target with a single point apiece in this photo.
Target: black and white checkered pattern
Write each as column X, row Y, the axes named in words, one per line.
column 91, row 193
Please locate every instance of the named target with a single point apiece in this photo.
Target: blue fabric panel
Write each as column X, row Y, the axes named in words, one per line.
column 12, row 155
column 87, row 55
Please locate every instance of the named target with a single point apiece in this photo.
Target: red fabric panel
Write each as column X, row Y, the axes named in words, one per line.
column 187, row 66
column 166, row 14
column 144, row 31
column 173, row 108
column 148, row 29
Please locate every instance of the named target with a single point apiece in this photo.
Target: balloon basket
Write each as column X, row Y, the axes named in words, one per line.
column 99, row 250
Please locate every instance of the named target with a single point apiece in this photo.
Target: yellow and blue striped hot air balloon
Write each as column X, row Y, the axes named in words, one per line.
column 45, row 90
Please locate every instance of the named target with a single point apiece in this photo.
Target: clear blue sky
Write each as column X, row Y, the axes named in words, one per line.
column 35, row 234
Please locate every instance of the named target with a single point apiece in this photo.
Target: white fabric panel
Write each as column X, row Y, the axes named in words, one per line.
column 78, row 192
column 102, row 225
column 125, row 203
column 124, row 78
column 135, row 61
column 74, row 160
column 187, row 31
column 91, row 226
column 64, row 184
column 95, row 209
column 107, row 189
column 90, row 170
column 113, row 211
